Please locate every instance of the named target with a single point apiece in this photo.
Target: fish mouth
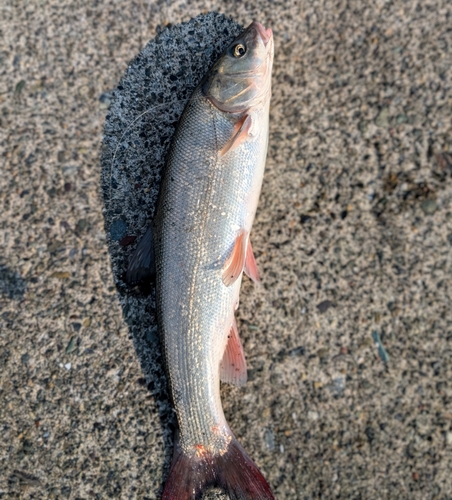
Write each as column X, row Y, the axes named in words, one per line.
column 265, row 34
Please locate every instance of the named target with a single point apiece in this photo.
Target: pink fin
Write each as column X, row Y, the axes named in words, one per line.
column 234, row 265
column 240, row 135
column 251, row 268
column 233, row 365
column 234, row 471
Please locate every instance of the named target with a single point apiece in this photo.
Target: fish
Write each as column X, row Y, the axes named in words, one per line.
column 198, row 247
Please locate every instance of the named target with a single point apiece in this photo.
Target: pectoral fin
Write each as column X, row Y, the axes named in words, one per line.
column 235, row 264
column 239, row 136
column 233, row 365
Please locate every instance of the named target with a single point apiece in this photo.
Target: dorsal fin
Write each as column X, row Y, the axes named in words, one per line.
column 142, row 263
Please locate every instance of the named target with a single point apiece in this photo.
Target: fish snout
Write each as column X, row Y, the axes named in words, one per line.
column 265, row 34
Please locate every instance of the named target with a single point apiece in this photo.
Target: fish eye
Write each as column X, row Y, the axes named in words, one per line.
column 239, row 50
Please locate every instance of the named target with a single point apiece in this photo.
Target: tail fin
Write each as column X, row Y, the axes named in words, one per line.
column 234, row 471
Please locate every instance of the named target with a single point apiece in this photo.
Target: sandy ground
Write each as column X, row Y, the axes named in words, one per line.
column 349, row 338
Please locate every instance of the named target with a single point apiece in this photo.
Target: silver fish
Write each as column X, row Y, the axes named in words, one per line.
column 201, row 240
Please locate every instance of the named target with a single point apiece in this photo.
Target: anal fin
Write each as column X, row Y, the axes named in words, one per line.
column 233, row 364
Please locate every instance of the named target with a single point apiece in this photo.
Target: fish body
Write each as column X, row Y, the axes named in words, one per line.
column 207, row 202
column 205, row 212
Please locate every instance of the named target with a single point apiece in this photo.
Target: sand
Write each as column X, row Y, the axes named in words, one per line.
column 348, row 339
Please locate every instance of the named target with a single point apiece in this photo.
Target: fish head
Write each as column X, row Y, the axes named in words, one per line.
column 241, row 78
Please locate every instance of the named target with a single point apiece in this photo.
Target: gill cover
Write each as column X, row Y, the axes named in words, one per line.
column 241, row 78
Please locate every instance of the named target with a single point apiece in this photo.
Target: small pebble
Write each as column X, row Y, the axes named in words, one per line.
column 27, row 446
column 118, row 229
column 72, row 345
column 150, row 439
column 313, row 415
column 266, row 413
column 61, row 275
column 324, row 306
column 379, row 345
column 68, row 366
column 322, row 353
column 269, row 439
column 429, row 207
column 362, row 126
column 104, row 100
column 127, row 240
column 82, row 224
column 54, row 246
column 338, row 385
column 298, row 351
column 19, row 87
column 449, row 438
column 70, row 170
column 382, row 119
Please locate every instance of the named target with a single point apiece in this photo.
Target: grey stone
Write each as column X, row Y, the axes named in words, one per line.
column 118, row 229
column 72, row 345
column 382, row 119
column 269, row 439
column 429, row 207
